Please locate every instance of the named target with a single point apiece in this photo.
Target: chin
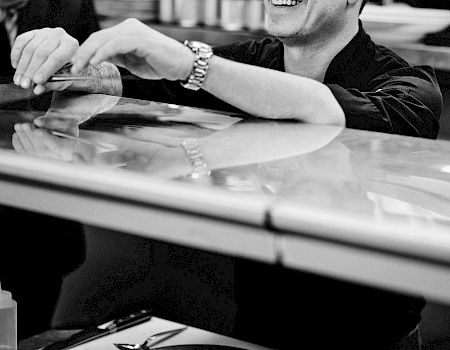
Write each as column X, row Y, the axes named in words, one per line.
column 288, row 37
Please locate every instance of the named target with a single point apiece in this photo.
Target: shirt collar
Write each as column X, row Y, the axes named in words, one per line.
column 355, row 55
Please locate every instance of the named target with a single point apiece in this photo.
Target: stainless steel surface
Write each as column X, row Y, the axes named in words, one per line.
column 152, row 340
column 277, row 190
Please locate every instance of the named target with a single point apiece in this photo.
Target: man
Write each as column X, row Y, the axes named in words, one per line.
column 331, row 72
column 37, row 251
column 78, row 18
column 321, row 68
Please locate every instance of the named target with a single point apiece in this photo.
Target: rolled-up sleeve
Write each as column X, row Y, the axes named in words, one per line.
column 405, row 101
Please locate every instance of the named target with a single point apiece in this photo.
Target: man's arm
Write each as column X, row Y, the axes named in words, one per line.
column 404, row 101
column 272, row 94
column 257, row 91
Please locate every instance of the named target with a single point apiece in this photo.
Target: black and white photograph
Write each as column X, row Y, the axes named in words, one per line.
column 225, row 174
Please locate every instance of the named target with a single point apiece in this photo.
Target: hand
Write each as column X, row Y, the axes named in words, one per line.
column 138, row 48
column 68, row 110
column 58, row 122
column 151, row 158
column 38, row 54
column 39, row 142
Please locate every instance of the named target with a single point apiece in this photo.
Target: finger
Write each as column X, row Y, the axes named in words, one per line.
column 25, row 59
column 118, row 60
column 21, row 41
column 40, row 55
column 116, row 46
column 56, row 123
column 19, row 129
column 56, row 58
column 17, row 144
column 28, row 134
column 47, row 139
column 39, row 89
column 36, row 138
column 96, row 40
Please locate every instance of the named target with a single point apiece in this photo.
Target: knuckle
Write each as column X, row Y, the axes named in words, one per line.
column 59, row 31
column 41, row 53
column 20, row 38
column 132, row 21
column 74, row 43
column 59, row 58
column 29, row 50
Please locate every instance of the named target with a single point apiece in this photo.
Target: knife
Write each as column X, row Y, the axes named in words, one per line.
column 102, row 330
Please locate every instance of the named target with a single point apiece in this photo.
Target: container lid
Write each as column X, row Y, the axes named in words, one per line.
column 5, row 298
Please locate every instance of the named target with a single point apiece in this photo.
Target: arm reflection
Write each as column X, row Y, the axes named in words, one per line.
column 42, row 143
column 244, row 143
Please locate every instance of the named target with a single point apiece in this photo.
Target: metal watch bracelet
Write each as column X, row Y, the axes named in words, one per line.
column 203, row 53
column 195, row 157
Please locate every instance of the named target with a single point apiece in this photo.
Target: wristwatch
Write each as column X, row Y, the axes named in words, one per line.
column 192, row 151
column 203, row 52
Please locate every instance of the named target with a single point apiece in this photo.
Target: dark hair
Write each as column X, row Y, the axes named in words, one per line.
column 363, row 4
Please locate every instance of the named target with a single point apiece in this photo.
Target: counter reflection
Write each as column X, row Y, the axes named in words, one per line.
column 367, row 173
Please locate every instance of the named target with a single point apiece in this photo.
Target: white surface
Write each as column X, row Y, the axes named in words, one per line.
column 191, row 335
column 225, row 237
column 124, row 184
column 425, row 240
column 402, row 23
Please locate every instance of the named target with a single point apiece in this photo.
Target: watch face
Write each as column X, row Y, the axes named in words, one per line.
column 197, row 44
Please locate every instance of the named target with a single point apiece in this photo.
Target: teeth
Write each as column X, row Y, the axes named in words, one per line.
column 285, row 2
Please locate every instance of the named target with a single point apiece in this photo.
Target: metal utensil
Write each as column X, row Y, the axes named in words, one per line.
column 64, row 77
column 63, row 74
column 85, row 141
column 151, row 341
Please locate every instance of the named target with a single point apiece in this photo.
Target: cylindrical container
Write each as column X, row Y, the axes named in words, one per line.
column 187, row 12
column 8, row 321
column 166, row 11
column 232, row 14
column 254, row 14
column 117, row 10
column 211, row 12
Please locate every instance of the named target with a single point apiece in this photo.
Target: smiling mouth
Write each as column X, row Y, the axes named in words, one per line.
column 285, row 3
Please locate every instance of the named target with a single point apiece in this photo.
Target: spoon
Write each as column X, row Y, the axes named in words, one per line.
column 151, row 340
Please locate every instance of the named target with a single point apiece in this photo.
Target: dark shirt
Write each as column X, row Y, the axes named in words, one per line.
column 377, row 89
column 437, row 4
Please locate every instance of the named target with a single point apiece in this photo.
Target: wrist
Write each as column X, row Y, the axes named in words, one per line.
column 189, row 64
column 203, row 53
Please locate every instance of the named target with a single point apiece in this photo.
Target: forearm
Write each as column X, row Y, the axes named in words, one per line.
column 272, row 94
column 103, row 79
